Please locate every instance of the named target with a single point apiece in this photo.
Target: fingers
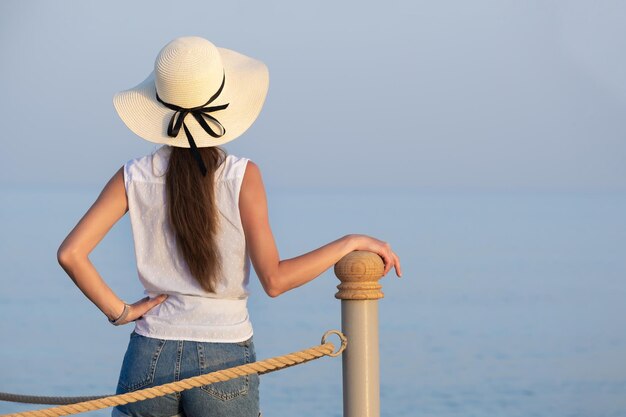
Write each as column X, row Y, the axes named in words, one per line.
column 390, row 259
column 153, row 302
column 397, row 265
column 140, row 308
column 385, row 253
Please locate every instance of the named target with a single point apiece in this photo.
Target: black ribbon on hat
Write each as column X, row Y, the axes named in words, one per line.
column 199, row 113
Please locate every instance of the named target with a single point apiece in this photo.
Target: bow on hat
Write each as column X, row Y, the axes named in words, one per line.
column 200, row 113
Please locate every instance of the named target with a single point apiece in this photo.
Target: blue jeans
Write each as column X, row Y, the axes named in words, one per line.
column 149, row 362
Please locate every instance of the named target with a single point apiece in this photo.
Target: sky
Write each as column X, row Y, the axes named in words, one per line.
column 386, row 95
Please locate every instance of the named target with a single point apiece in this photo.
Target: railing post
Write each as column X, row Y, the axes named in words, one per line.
column 359, row 293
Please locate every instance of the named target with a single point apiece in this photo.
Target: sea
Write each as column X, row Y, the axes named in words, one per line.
column 512, row 303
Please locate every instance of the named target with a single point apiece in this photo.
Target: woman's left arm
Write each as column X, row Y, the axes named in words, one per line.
column 73, row 254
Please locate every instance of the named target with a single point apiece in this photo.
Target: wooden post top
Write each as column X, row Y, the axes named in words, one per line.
column 359, row 272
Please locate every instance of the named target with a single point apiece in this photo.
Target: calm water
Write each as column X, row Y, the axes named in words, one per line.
column 512, row 304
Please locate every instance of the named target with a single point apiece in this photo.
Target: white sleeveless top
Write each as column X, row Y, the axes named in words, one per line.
column 189, row 313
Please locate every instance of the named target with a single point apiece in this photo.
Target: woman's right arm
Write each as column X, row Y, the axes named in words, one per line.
column 278, row 276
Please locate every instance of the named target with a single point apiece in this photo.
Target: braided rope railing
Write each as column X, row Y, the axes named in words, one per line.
column 260, row 367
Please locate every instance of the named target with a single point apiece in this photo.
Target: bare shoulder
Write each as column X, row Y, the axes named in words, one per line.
column 252, row 189
column 116, row 183
column 252, row 169
column 115, row 189
column 252, row 176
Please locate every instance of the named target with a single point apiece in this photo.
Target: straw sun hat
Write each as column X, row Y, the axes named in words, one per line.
column 198, row 95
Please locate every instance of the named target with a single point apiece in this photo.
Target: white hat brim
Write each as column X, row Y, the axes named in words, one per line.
column 245, row 89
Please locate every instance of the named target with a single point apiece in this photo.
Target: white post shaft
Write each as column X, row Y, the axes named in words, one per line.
column 361, row 362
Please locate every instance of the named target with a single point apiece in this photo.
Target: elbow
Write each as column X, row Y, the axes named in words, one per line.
column 66, row 256
column 273, row 292
column 272, row 287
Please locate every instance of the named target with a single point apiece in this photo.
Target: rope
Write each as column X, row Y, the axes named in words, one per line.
column 259, row 367
column 40, row 399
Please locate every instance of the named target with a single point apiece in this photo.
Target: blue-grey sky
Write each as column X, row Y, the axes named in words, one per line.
column 445, row 94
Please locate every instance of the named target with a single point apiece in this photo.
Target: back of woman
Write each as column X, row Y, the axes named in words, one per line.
column 190, row 311
column 199, row 220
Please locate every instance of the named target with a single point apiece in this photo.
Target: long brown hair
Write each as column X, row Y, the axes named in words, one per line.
column 193, row 213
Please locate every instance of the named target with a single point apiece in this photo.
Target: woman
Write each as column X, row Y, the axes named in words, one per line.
column 198, row 218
